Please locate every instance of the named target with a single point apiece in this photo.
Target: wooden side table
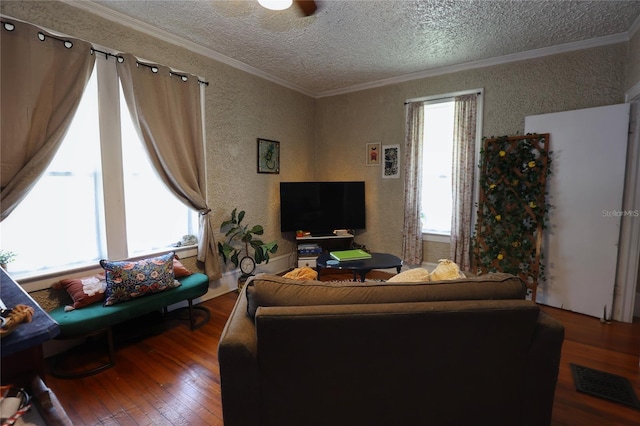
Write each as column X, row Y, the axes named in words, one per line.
column 22, row 356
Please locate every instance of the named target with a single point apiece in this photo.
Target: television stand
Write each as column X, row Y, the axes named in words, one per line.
column 326, row 243
column 322, row 234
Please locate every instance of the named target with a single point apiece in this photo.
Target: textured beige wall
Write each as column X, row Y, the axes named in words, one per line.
column 633, row 62
column 345, row 123
column 239, row 108
column 434, row 251
column 326, row 138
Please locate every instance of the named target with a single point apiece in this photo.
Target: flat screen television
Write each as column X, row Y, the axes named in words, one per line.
column 321, row 207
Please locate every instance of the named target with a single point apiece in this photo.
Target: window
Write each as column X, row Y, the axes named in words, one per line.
column 57, row 222
column 74, row 215
column 437, row 167
column 155, row 217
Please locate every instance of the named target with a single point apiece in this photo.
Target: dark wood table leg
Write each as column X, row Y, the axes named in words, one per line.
column 363, row 273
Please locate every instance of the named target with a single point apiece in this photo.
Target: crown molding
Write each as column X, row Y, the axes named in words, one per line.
column 482, row 63
column 111, row 15
column 135, row 24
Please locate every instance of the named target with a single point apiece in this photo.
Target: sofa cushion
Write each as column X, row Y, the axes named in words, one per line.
column 179, row 269
column 446, row 270
column 128, row 279
column 273, row 290
column 302, row 274
column 415, row 275
column 84, row 291
column 387, row 361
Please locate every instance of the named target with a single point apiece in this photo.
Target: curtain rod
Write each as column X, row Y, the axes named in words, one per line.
column 439, row 99
column 183, row 77
column 67, row 43
column 9, row 26
column 119, row 58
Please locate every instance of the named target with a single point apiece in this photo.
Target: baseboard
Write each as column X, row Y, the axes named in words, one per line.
column 229, row 280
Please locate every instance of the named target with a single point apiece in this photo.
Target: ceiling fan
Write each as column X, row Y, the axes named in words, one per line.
column 307, row 7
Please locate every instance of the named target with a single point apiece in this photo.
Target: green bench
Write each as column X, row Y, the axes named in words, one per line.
column 97, row 319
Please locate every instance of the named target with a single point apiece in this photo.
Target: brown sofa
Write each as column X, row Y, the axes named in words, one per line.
column 464, row 352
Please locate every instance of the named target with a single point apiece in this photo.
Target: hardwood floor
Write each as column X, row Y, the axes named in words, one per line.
column 613, row 348
column 172, row 378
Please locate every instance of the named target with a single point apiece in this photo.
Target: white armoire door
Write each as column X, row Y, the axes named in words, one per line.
column 585, row 191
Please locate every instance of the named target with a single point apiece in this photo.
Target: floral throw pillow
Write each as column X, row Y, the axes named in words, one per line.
column 130, row 279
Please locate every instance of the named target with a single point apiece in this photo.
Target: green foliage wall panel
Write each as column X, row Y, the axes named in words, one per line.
column 512, row 206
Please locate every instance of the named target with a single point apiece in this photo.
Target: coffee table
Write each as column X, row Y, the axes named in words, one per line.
column 360, row 267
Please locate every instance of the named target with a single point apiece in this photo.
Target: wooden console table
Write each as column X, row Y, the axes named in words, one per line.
column 22, row 356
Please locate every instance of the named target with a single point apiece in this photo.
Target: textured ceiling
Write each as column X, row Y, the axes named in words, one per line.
column 347, row 44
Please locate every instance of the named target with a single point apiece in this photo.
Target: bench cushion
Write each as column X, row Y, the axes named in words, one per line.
column 95, row 317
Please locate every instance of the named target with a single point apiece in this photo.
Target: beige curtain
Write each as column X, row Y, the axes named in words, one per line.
column 167, row 114
column 464, row 165
column 412, row 229
column 42, row 82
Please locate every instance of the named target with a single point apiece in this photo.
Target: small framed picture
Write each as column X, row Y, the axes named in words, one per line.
column 268, row 156
column 373, row 154
column 391, row 161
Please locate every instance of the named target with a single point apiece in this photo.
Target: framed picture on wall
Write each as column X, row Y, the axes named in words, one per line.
column 268, row 156
column 391, row 161
column 373, row 154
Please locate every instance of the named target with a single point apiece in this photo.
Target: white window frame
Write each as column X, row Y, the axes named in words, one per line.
column 112, row 168
column 446, row 238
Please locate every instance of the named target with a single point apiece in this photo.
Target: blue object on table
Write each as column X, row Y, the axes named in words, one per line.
column 28, row 334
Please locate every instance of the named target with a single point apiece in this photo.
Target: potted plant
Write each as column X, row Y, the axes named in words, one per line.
column 6, row 257
column 239, row 238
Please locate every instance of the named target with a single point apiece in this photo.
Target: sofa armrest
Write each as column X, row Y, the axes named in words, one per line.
column 237, row 357
column 543, row 364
